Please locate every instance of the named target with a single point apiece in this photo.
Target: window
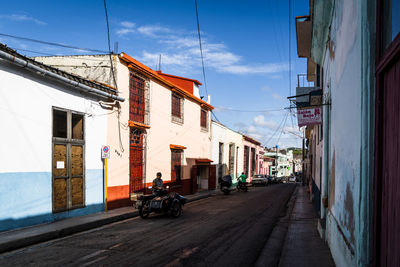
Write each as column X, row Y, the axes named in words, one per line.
column 68, row 160
column 220, row 159
column 391, row 21
column 203, row 118
column 253, row 161
column 177, row 108
column 232, row 159
column 136, row 99
column 176, row 164
column 246, row 161
column 59, row 124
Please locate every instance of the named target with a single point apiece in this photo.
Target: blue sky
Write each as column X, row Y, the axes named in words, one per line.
column 245, row 46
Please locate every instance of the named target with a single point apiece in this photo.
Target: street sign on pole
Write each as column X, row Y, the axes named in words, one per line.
column 105, row 152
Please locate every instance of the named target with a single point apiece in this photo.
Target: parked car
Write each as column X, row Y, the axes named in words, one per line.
column 259, row 179
column 292, row 179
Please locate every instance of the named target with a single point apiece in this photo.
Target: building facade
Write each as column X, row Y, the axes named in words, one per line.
column 226, row 150
column 354, row 47
column 162, row 127
column 54, row 135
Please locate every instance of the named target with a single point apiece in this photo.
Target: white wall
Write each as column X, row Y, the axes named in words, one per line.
column 164, row 132
column 26, row 132
column 222, row 134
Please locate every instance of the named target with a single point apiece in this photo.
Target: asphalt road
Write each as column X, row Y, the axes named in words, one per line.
column 217, row 231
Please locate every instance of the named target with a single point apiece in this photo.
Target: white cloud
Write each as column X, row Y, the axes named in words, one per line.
column 125, row 31
column 127, row 28
column 153, row 30
column 128, row 24
column 266, row 89
column 277, row 96
column 260, row 121
column 22, row 17
column 180, row 49
column 252, row 129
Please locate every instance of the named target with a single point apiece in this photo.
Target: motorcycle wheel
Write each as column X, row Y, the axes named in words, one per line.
column 176, row 210
column 143, row 214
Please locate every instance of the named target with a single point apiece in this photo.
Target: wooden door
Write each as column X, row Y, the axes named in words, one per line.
column 176, row 165
column 193, row 179
column 387, row 136
column 68, row 160
column 136, row 161
column 212, row 177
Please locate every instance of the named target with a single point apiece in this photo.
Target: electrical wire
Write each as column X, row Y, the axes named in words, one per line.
column 52, row 43
column 283, row 127
column 113, row 75
column 242, row 110
column 201, row 49
column 279, row 126
column 212, row 112
column 290, row 54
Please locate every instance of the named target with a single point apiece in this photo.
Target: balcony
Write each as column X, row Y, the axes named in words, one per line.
column 307, row 92
column 303, row 34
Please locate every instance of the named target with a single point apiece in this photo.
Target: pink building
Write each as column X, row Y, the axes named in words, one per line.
column 253, row 157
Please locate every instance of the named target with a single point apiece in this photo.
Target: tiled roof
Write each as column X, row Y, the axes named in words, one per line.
column 133, row 63
column 72, row 77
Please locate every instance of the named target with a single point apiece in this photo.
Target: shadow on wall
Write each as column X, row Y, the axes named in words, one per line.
column 11, row 224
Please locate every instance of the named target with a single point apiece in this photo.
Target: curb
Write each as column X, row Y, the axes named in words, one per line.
column 270, row 254
column 47, row 236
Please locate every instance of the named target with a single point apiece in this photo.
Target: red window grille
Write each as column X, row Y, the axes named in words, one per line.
column 136, row 99
column 176, row 105
column 203, row 118
column 136, row 158
column 176, row 165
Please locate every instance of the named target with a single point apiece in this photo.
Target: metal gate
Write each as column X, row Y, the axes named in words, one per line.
column 136, row 160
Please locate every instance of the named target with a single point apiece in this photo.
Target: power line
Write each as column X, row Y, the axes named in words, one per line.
column 113, row 75
column 290, row 54
column 201, row 49
column 52, row 43
column 279, row 126
column 242, row 110
column 109, row 44
column 215, row 116
column 283, row 127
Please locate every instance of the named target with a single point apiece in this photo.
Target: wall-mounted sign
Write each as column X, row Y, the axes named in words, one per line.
column 60, row 165
column 309, row 116
column 105, row 152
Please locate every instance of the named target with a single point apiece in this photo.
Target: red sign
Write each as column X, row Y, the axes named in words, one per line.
column 309, row 116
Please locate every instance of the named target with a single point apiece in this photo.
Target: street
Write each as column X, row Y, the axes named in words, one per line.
column 217, row 231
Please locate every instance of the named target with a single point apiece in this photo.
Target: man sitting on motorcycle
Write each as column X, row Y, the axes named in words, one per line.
column 158, row 186
column 242, row 179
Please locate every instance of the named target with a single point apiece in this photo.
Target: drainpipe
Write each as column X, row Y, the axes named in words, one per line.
column 79, row 86
column 326, row 156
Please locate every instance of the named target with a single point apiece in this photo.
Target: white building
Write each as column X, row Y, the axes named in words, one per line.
column 53, row 129
column 226, row 150
column 163, row 126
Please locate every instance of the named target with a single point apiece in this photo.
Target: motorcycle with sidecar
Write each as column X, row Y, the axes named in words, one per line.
column 161, row 201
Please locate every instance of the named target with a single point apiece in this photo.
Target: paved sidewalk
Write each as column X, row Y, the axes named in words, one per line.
column 23, row 237
column 303, row 245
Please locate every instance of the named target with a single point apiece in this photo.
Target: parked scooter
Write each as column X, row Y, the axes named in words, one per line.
column 241, row 186
column 161, row 202
column 226, row 184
